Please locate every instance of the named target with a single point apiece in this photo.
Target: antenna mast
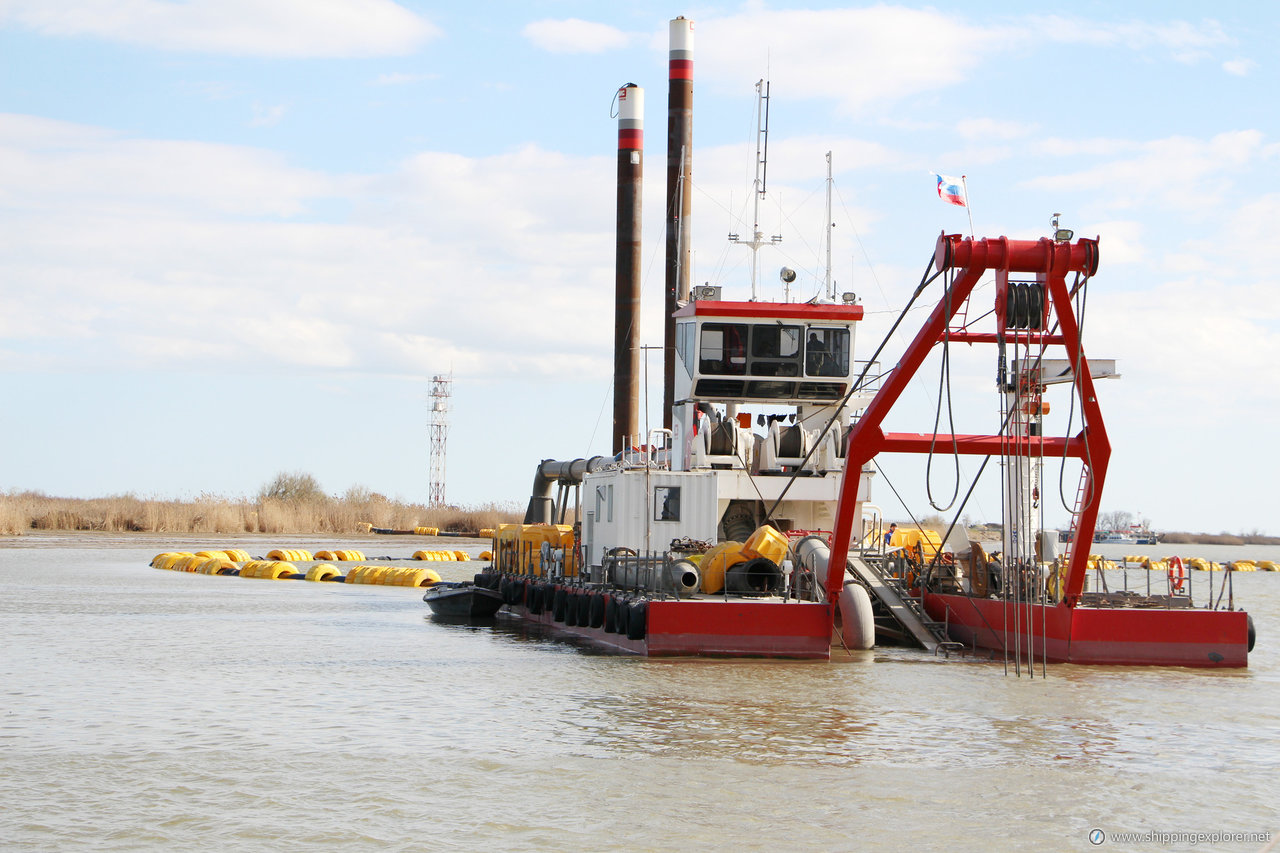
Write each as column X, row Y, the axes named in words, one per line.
column 762, row 166
column 441, row 392
column 831, row 287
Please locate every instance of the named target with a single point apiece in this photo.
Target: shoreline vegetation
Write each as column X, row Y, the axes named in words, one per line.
column 291, row 503
column 308, row 511
column 351, row 514
column 1217, row 539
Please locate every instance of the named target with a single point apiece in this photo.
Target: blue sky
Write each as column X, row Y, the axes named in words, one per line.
column 239, row 237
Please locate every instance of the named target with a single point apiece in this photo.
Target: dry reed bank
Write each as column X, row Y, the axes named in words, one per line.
column 1218, row 539
column 22, row 511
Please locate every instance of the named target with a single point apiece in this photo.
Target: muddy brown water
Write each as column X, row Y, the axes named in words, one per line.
column 144, row 709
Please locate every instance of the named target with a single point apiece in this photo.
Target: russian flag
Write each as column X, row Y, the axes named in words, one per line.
column 951, row 190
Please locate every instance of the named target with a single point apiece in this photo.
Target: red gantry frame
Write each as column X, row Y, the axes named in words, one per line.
column 1051, row 262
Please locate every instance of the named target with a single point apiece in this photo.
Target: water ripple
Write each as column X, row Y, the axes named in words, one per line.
column 142, row 709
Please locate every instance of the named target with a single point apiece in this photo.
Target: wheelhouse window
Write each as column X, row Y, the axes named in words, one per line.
column 767, row 360
column 723, row 350
column 826, row 352
column 775, row 350
column 685, row 348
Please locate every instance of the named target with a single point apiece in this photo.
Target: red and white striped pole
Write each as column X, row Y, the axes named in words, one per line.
column 626, row 334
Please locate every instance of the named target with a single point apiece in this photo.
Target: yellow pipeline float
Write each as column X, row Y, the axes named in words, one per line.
column 1199, row 564
column 291, row 555
column 225, row 562
column 1097, row 561
column 442, row 556
column 322, row 572
column 268, row 569
column 216, row 566
column 342, row 556
column 392, row 576
column 167, row 560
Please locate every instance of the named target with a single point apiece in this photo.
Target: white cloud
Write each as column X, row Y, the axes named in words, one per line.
column 158, row 253
column 884, row 53
column 984, row 129
column 1239, row 67
column 49, row 165
column 974, row 155
column 1092, row 147
column 854, row 56
column 1179, row 172
column 264, row 116
column 574, row 35
column 1199, row 334
column 1185, row 40
column 282, row 28
column 1123, row 242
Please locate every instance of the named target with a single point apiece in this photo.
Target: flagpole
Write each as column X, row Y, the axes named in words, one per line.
column 967, row 208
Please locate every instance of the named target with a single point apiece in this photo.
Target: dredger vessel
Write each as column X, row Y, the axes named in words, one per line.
column 743, row 527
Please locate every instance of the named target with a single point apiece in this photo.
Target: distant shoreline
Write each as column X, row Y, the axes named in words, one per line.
column 1181, row 538
column 26, row 512
column 1219, row 538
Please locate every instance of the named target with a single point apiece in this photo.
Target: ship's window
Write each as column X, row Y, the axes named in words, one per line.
column 685, row 333
column 775, row 350
column 709, row 388
column 724, row 349
column 771, row 390
column 826, row 352
column 666, row 503
column 610, row 515
column 820, row 390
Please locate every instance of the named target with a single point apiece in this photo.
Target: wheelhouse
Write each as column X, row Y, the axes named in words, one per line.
column 773, row 353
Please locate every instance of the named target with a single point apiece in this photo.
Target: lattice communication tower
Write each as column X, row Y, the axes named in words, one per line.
column 441, row 392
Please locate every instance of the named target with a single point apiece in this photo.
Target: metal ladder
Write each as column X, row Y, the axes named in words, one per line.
column 1081, row 490
column 891, row 593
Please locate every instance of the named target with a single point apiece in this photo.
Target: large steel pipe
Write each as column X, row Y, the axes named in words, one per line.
column 550, row 471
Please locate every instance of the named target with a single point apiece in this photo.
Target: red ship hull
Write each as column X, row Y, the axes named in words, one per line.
column 713, row 628
column 1096, row 635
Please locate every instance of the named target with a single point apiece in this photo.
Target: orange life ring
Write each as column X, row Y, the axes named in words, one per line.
column 1178, row 578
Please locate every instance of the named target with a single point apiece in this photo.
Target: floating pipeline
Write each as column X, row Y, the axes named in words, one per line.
column 1200, row 564
column 185, row 561
column 238, row 563
column 485, row 533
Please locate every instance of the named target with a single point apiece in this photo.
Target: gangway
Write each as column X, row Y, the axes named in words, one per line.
column 891, row 594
